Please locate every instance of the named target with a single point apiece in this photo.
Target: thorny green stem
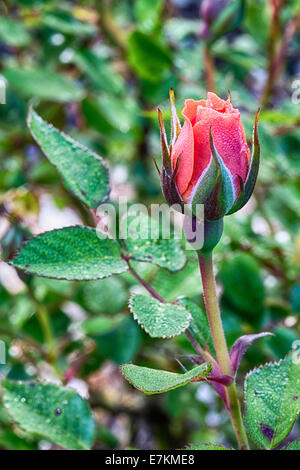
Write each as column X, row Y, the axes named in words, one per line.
column 215, row 322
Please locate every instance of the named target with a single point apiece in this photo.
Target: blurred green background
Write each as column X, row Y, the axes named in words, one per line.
column 99, row 70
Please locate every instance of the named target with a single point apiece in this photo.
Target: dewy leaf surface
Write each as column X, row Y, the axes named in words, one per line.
column 43, row 84
column 82, row 170
column 159, row 320
column 55, row 413
column 272, row 394
column 72, row 253
column 158, row 381
column 146, row 242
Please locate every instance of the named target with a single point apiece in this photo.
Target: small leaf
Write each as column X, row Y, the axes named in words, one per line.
column 43, row 84
column 199, row 322
column 55, row 413
column 206, row 447
column 158, row 319
column 240, row 347
column 72, row 253
column 145, row 242
column 272, row 394
column 83, row 171
column 160, row 381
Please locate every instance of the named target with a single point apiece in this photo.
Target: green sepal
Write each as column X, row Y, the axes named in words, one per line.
column 215, row 188
column 176, row 127
column 248, row 187
column 166, row 155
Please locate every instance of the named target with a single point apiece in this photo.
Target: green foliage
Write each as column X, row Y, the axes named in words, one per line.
column 13, row 32
column 72, row 253
column 272, row 394
column 159, row 381
column 99, row 296
column 148, row 13
column 159, row 320
column 147, row 56
column 119, row 343
column 43, row 84
column 67, row 24
column 53, row 412
column 199, row 322
column 145, row 241
column 243, row 284
column 83, row 172
column 98, row 71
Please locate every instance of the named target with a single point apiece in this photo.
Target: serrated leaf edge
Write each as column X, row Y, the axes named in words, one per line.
column 144, row 328
column 71, row 141
column 16, row 254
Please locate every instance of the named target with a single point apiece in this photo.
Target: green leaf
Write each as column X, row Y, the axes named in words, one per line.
column 295, row 445
column 199, row 322
column 257, row 21
column 67, row 24
column 43, row 84
column 121, row 343
column 159, row 381
column 83, row 171
column 100, row 325
column 72, row 253
column 13, row 33
column 272, row 394
column 158, row 319
column 145, row 242
column 172, row 285
column 147, row 56
column 243, row 284
column 55, row 413
column 206, row 447
column 148, row 13
column 96, row 119
column 103, row 76
column 107, row 296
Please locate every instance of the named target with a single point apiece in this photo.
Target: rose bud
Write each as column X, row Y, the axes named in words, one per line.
column 208, row 161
